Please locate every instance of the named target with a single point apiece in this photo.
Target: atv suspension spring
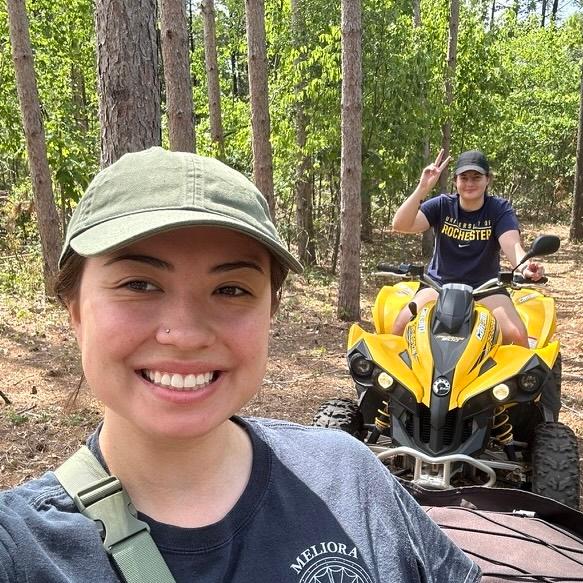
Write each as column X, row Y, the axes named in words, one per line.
column 383, row 419
column 501, row 427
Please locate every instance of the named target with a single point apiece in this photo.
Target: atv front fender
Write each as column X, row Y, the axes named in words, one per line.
column 510, row 361
column 385, row 351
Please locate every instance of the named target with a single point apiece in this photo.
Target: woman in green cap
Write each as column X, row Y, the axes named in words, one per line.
column 171, row 272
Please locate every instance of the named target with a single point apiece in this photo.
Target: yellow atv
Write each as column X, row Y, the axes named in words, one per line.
column 446, row 404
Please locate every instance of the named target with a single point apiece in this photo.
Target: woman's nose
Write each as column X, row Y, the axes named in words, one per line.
column 187, row 325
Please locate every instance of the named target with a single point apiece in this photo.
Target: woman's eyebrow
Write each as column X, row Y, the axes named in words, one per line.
column 148, row 259
column 231, row 266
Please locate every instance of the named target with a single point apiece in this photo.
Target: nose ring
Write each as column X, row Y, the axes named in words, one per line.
column 167, row 330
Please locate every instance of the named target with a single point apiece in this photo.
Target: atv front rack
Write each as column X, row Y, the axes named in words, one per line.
column 438, row 475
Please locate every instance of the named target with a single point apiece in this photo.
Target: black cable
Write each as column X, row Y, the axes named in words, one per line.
column 514, row 536
column 558, row 529
column 522, row 575
column 530, row 537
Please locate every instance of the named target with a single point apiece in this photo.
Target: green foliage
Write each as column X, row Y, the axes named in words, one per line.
column 16, row 418
column 516, row 97
column 64, row 54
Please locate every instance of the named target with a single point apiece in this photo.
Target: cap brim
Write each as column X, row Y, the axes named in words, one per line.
column 122, row 231
column 467, row 167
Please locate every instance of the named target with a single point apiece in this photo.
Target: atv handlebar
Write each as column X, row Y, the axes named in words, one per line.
column 416, row 272
column 403, row 269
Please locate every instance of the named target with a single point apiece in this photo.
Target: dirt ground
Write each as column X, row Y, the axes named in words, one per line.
column 39, row 361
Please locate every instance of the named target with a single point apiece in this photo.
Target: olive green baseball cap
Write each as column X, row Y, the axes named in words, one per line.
column 155, row 190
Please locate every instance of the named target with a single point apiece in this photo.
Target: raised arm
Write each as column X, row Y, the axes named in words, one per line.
column 408, row 218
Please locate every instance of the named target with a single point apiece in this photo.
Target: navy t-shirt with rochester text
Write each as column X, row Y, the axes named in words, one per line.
column 466, row 242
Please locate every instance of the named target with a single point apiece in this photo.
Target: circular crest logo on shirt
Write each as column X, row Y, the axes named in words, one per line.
column 335, row 570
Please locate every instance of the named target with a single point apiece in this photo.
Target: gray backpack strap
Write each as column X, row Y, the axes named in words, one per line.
column 102, row 498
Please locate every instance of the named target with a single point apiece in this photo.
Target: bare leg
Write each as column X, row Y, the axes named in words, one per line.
column 421, row 298
column 512, row 327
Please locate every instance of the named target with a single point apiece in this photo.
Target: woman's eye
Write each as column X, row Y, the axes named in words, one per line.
column 140, row 285
column 232, row 290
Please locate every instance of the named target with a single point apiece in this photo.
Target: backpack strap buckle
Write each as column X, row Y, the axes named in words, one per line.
column 108, row 504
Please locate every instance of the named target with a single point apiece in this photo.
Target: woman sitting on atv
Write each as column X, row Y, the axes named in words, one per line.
column 470, row 228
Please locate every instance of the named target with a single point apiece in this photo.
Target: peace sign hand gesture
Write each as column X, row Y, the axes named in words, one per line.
column 431, row 173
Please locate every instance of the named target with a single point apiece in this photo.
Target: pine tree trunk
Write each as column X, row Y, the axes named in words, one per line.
column 127, row 72
column 576, row 230
column 351, row 162
column 492, row 14
column 176, row 57
column 543, row 12
column 303, row 192
column 78, row 92
column 554, row 10
column 449, row 83
column 427, row 239
column 212, row 73
column 258, row 93
column 46, row 210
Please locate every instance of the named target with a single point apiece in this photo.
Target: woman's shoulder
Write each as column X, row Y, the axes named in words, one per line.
column 282, row 430
column 444, row 198
column 42, row 536
column 310, row 447
column 35, row 494
column 31, row 502
column 497, row 202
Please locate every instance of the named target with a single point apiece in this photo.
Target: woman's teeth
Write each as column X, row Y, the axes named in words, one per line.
column 189, row 382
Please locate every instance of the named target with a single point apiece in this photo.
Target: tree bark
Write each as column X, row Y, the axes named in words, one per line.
column 416, row 13
column 554, row 10
column 212, row 73
column 454, row 11
column 46, row 210
column 258, row 93
column 176, row 57
column 543, row 13
column 576, row 229
column 492, row 14
column 428, row 238
column 128, row 81
column 351, row 161
column 303, row 192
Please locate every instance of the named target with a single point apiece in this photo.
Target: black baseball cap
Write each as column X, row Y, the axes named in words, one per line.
column 472, row 160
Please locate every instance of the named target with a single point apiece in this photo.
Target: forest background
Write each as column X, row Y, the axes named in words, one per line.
column 515, row 94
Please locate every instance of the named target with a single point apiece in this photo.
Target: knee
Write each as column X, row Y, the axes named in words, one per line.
column 512, row 334
column 401, row 321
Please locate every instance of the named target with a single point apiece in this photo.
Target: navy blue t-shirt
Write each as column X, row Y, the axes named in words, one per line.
column 466, row 243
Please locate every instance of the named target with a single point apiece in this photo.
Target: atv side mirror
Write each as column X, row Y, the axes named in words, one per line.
column 542, row 245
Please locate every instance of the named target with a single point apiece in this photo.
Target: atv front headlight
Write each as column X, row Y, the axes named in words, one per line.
column 361, row 366
column 385, row 380
column 501, row 391
column 529, row 381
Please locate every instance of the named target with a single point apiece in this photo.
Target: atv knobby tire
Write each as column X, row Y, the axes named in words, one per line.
column 555, row 463
column 340, row 414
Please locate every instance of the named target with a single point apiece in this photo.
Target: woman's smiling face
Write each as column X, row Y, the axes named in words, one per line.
column 173, row 329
